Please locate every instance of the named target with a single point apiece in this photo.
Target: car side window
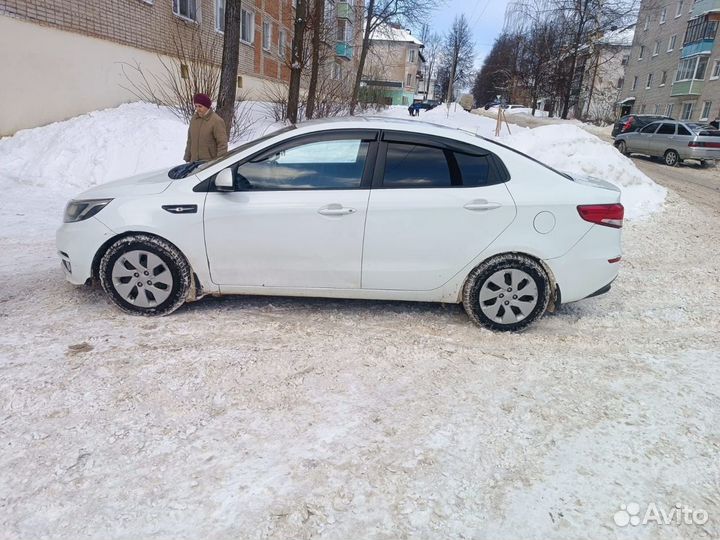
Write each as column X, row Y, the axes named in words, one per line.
column 650, row 128
column 415, row 166
column 333, row 164
column 666, row 129
column 474, row 170
column 682, row 130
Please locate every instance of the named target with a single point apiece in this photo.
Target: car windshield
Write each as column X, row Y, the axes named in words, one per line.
column 704, row 130
column 234, row 151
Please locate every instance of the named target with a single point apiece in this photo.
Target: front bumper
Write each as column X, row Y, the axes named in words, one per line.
column 77, row 244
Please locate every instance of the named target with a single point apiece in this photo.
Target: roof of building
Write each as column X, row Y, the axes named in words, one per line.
column 392, row 33
column 621, row 36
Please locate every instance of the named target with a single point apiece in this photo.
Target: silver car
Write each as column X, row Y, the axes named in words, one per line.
column 673, row 141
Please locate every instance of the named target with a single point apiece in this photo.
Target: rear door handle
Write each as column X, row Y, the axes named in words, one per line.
column 481, row 205
column 336, row 210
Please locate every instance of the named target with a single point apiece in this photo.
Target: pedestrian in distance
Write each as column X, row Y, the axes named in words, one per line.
column 207, row 136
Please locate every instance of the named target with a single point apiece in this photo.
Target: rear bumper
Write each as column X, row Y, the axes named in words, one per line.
column 701, row 153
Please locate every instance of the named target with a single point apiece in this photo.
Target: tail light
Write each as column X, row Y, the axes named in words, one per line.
column 628, row 124
column 609, row 215
column 702, row 144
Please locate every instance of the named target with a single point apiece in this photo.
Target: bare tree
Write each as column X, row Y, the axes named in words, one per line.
column 318, row 31
column 458, row 54
column 382, row 12
column 297, row 61
column 229, row 67
column 431, row 42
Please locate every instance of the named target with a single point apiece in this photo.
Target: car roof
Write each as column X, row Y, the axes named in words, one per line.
column 380, row 122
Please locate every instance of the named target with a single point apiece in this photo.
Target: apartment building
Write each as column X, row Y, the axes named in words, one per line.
column 61, row 58
column 674, row 64
column 393, row 68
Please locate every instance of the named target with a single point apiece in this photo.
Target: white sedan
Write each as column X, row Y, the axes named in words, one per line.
column 366, row 208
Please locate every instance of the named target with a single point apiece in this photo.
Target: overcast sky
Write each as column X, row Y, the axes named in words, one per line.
column 486, row 19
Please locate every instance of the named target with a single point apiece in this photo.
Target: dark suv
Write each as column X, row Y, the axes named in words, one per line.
column 633, row 122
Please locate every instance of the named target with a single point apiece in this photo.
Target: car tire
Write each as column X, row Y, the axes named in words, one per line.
column 622, row 147
column 484, row 294
column 145, row 275
column 672, row 158
column 703, row 164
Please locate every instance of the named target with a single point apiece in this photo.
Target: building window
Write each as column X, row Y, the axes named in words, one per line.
column 671, row 43
column 642, row 52
column 642, row 109
column 663, row 78
column 409, row 80
column 282, row 45
column 669, row 110
column 625, row 59
column 186, row 9
column 220, row 15
column 700, row 29
column 657, row 108
column 649, row 80
column 706, row 110
column 412, row 56
column 344, row 31
column 337, row 72
column 663, row 15
column 620, row 83
column 634, row 86
column 267, row 35
column 691, row 68
column 647, row 22
column 656, row 49
column 687, row 108
column 247, row 26
column 679, row 9
column 716, row 70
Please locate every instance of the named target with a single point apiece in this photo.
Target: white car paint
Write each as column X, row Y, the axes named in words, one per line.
column 402, row 244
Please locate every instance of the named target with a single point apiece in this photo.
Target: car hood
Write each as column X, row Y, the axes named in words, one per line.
column 149, row 183
column 592, row 181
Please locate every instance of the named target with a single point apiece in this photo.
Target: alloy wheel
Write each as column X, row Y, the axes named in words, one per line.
column 508, row 296
column 142, row 278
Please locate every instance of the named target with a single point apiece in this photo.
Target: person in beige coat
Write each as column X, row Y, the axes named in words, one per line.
column 207, row 137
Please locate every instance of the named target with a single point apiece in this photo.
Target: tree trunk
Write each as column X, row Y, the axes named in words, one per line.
column 296, row 62
column 452, row 80
column 230, row 57
column 318, row 22
column 363, row 56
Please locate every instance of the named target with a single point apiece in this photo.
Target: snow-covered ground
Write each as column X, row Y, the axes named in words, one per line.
column 298, row 418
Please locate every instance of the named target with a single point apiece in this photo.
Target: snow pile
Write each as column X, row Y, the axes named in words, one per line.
column 570, row 148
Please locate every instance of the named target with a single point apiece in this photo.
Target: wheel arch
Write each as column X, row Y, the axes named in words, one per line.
column 196, row 289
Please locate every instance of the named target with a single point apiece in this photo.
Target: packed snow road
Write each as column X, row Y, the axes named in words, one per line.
column 302, row 418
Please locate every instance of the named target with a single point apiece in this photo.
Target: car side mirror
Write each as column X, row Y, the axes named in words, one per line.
column 224, row 180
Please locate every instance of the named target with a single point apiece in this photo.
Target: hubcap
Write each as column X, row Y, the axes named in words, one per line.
column 158, row 283
column 498, row 306
column 670, row 158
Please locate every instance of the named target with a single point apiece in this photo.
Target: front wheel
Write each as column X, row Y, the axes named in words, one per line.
column 622, row 147
column 145, row 275
column 507, row 293
column 672, row 159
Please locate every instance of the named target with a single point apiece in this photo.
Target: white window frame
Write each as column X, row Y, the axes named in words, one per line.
column 267, row 35
column 634, row 84
column 669, row 109
column 671, row 43
column 656, row 49
column 251, row 14
column 282, row 44
column 657, row 108
column 642, row 52
column 679, row 9
column 715, row 73
column 648, row 83
column 682, row 112
column 412, row 56
column 220, row 24
column 663, row 15
column 647, row 22
column 176, row 10
column 663, row 78
column 705, row 114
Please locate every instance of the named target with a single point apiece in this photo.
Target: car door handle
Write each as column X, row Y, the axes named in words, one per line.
column 481, row 205
column 336, row 210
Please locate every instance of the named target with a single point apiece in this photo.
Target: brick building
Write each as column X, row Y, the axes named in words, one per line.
column 674, row 64
column 61, row 58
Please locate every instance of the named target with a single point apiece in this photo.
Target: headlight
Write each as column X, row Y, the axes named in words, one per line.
column 80, row 210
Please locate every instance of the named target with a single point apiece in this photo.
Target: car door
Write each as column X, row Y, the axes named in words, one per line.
column 662, row 139
column 641, row 141
column 682, row 140
column 433, row 209
column 296, row 217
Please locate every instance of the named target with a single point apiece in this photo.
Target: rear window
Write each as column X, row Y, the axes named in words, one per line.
column 682, row 130
column 475, row 170
column 704, row 130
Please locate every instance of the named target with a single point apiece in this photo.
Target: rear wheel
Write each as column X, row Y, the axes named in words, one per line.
column 145, row 275
column 672, row 159
column 622, row 147
column 506, row 293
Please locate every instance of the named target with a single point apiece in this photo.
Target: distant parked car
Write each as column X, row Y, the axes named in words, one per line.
column 673, row 141
column 427, row 105
column 634, row 122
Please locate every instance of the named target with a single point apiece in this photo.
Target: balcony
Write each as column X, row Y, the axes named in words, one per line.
column 344, row 11
column 699, row 47
column 344, row 50
column 704, row 6
column 687, row 88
